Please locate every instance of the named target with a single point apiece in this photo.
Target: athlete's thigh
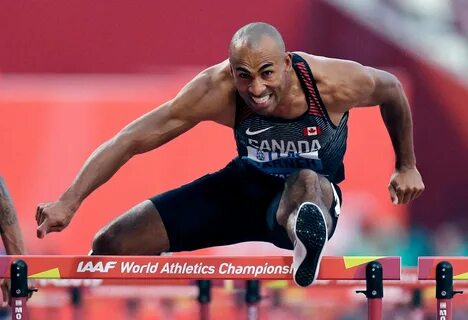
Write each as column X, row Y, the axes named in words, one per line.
column 218, row 209
column 139, row 231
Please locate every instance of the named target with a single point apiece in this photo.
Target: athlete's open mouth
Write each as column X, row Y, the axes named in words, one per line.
column 261, row 101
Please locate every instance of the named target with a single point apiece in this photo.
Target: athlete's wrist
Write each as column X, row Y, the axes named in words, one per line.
column 70, row 200
column 407, row 164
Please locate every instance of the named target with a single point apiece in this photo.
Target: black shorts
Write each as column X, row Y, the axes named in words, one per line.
column 235, row 204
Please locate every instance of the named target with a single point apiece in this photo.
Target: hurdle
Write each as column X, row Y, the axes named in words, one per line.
column 371, row 269
column 442, row 270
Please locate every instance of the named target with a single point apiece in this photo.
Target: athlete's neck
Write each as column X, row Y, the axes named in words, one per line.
column 293, row 103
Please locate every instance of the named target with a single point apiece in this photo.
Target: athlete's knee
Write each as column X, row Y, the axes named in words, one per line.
column 106, row 242
column 307, row 179
column 308, row 175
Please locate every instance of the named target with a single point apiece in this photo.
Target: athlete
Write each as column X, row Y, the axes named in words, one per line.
column 289, row 112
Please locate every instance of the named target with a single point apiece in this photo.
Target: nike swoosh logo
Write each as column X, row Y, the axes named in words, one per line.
column 252, row 133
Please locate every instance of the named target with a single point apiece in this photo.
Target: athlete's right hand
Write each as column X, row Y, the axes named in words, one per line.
column 53, row 217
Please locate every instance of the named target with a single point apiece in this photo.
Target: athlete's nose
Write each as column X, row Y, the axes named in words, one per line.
column 256, row 88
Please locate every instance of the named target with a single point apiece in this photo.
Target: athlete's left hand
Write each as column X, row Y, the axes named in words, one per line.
column 405, row 185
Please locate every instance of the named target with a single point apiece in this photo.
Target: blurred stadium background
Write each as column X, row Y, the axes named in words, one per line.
column 72, row 73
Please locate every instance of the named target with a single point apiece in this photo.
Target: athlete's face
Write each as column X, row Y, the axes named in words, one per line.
column 260, row 74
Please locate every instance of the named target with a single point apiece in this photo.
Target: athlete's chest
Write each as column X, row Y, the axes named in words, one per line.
column 301, row 136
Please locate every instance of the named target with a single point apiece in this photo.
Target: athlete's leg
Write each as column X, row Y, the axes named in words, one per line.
column 217, row 209
column 139, row 231
column 304, row 212
column 304, row 186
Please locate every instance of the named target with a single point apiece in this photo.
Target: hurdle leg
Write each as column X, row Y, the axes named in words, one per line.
column 252, row 299
column 19, row 290
column 374, row 290
column 76, row 301
column 444, row 290
column 204, row 298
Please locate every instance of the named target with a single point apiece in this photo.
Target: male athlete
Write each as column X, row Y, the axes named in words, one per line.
column 289, row 113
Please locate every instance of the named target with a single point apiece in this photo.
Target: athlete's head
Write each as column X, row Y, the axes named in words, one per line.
column 260, row 66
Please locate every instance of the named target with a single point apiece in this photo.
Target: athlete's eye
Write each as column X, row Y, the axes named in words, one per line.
column 267, row 73
column 244, row 75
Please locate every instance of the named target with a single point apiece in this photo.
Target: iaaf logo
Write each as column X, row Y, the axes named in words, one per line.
column 88, row 266
column 442, row 311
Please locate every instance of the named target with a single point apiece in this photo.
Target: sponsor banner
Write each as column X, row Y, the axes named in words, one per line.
column 191, row 267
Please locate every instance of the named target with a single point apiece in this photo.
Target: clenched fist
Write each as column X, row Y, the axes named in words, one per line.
column 53, row 217
column 405, row 185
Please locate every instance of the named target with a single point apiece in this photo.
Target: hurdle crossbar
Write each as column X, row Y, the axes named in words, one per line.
column 192, row 267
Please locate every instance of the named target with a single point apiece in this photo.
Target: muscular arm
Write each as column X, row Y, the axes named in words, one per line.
column 9, row 227
column 348, row 84
column 196, row 102
column 146, row 133
column 207, row 97
column 394, row 107
column 406, row 183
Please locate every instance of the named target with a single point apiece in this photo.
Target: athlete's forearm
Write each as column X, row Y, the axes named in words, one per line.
column 9, row 227
column 103, row 163
column 396, row 114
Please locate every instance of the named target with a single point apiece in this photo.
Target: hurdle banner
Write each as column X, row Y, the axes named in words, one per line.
column 199, row 267
column 193, row 267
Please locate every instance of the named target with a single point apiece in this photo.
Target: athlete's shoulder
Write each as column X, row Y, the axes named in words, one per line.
column 313, row 60
column 210, row 95
column 306, row 56
column 214, row 82
column 328, row 64
column 343, row 83
column 219, row 76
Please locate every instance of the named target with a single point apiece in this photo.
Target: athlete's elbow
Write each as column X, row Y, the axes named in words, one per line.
column 389, row 89
column 126, row 143
column 395, row 83
column 134, row 143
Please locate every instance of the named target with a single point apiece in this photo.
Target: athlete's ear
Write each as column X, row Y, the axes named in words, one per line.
column 288, row 61
column 231, row 70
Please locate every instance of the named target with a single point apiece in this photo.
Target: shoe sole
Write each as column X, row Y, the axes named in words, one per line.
column 311, row 237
